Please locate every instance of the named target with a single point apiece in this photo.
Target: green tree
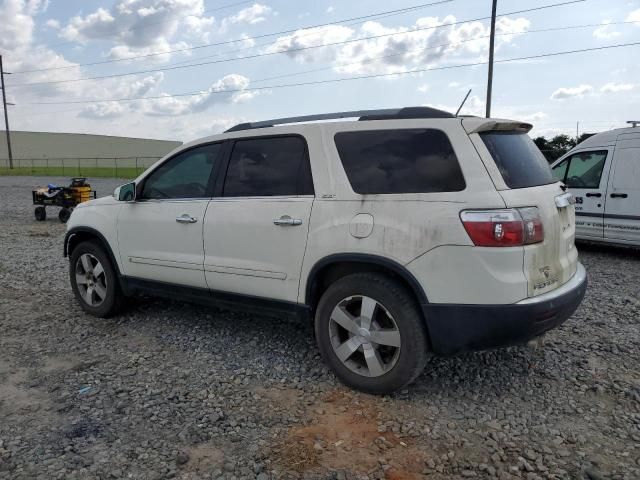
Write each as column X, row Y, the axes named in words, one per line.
column 558, row 145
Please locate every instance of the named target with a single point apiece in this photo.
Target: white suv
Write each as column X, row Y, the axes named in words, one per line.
column 404, row 233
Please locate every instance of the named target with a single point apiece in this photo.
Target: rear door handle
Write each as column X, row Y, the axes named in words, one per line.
column 186, row 218
column 594, row 195
column 287, row 221
column 619, row 195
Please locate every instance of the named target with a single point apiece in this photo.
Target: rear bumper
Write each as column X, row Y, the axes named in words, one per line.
column 457, row 328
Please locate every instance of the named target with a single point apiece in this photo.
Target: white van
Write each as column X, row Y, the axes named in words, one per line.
column 603, row 173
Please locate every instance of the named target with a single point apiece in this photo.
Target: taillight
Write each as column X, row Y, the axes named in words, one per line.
column 503, row 228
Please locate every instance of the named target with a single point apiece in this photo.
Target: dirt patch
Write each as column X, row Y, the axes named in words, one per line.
column 343, row 434
column 203, row 459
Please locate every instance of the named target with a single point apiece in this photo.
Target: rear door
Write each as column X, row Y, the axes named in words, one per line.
column 255, row 230
column 622, row 211
column 524, row 179
column 586, row 174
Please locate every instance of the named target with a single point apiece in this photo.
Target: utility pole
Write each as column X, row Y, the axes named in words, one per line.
column 492, row 39
column 577, row 130
column 6, row 115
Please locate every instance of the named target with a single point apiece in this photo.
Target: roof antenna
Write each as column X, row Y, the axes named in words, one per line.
column 463, row 101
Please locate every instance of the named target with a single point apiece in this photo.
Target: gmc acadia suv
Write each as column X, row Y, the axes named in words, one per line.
column 404, row 233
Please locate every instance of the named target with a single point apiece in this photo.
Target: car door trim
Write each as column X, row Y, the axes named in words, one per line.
column 245, row 271
column 165, row 263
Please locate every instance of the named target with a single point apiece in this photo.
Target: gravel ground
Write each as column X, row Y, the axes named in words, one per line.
column 171, row 390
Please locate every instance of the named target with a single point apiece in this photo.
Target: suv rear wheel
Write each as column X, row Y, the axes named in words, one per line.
column 94, row 281
column 371, row 333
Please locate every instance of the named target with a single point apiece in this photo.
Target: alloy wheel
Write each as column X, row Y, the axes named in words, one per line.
column 364, row 336
column 91, row 280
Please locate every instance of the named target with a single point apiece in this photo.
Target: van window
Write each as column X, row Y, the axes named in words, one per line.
column 560, row 170
column 399, row 161
column 585, row 169
column 519, row 160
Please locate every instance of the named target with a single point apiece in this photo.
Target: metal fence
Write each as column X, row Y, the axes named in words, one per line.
column 97, row 167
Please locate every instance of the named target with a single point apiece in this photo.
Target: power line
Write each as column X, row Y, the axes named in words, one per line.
column 237, row 40
column 299, row 49
column 527, row 32
column 322, row 82
column 346, row 64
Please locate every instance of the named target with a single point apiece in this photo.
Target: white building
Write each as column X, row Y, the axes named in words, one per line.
column 55, row 149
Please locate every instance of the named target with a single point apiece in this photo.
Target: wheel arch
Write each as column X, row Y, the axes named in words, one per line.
column 80, row 234
column 333, row 267
column 338, row 265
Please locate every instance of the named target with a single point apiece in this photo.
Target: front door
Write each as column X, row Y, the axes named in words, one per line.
column 255, row 231
column 586, row 174
column 160, row 233
column 622, row 213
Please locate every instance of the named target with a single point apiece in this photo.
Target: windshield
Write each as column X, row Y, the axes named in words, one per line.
column 519, row 160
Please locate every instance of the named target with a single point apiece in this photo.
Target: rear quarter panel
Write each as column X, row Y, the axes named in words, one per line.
column 400, row 227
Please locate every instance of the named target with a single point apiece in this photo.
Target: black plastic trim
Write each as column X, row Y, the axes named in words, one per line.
column 409, row 113
column 457, row 328
column 608, row 215
column 95, row 233
column 134, row 285
column 365, row 258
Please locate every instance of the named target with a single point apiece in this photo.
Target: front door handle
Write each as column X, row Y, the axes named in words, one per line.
column 619, row 195
column 594, row 195
column 186, row 218
column 287, row 221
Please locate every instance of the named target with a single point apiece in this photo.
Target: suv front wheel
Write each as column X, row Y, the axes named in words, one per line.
column 94, row 281
column 371, row 333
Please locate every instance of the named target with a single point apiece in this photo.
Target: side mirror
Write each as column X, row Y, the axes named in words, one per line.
column 126, row 192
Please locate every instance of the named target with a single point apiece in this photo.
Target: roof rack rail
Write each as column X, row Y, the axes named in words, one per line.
column 364, row 115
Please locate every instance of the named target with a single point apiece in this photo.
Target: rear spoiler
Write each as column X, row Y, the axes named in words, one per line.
column 477, row 125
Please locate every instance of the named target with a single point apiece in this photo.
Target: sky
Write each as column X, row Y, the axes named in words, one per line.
column 191, row 68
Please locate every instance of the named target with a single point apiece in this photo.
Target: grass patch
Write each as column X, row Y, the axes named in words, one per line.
column 104, row 172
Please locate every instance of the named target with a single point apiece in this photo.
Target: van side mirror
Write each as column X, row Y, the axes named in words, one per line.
column 126, row 192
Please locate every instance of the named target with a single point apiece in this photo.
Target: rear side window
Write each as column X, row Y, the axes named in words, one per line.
column 399, row 161
column 519, row 160
column 267, row 167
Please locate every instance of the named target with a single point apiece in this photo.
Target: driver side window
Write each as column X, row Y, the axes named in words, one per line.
column 582, row 170
column 184, row 176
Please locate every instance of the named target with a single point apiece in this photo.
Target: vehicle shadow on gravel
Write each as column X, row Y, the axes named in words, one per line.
column 288, row 347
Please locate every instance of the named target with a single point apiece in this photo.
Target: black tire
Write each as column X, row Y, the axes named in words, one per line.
column 40, row 213
column 64, row 215
column 114, row 299
column 400, row 305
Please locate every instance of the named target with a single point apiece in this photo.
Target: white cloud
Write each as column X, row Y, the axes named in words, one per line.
column 568, row 92
column 633, row 16
column 533, row 117
column 104, row 110
column 228, row 89
column 427, row 42
column 256, row 13
column 330, row 9
column 604, row 31
column 140, row 27
column 617, row 87
column 423, row 88
column 53, row 23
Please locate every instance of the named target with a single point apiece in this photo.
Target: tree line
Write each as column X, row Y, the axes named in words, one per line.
column 558, row 145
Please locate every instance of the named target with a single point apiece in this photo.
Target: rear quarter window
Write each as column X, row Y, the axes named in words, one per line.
column 399, row 161
column 519, row 160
